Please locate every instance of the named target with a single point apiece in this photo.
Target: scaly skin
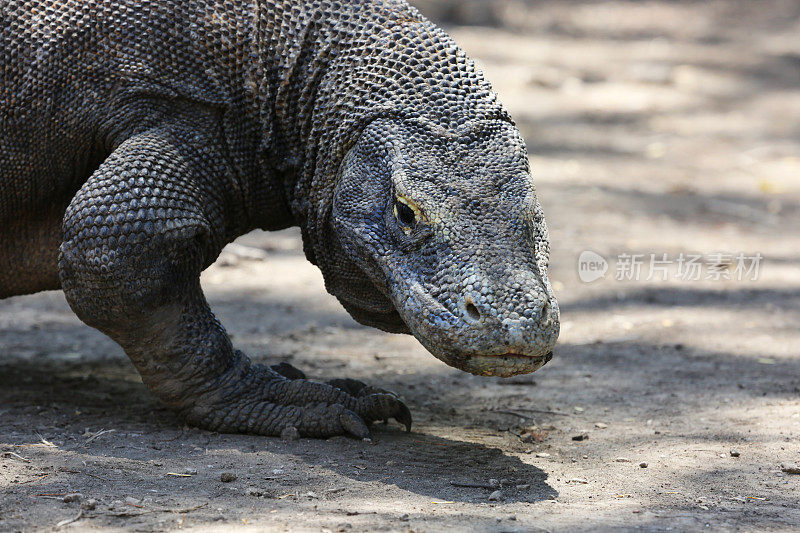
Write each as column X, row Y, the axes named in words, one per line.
column 138, row 138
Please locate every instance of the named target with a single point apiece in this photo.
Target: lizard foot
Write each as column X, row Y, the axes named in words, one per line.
column 266, row 401
column 353, row 387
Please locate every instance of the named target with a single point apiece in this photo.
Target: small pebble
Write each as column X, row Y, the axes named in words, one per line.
column 493, row 482
column 524, row 486
column 132, row 501
column 622, row 460
column 189, row 471
column 578, row 480
column 600, row 425
column 543, row 454
column 790, row 469
column 495, row 496
column 735, row 453
column 643, row 465
column 227, row 477
column 404, row 517
column 75, row 497
column 580, row 437
column 89, row 504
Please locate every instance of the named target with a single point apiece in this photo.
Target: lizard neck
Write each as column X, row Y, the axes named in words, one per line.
column 330, row 72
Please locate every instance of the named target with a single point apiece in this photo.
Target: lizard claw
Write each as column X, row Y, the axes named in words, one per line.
column 404, row 416
column 353, row 387
column 375, row 403
column 357, row 388
column 381, row 406
column 353, row 425
column 288, row 371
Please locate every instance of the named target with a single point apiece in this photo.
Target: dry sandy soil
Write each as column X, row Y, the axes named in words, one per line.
column 654, row 127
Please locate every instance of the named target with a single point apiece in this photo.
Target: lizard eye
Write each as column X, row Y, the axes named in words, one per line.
column 405, row 215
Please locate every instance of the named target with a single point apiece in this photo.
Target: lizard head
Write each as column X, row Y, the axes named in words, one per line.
column 447, row 226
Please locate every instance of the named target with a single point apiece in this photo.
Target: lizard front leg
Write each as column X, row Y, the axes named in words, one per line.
column 136, row 237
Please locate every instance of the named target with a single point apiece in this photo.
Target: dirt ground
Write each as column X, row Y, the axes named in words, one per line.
column 654, row 127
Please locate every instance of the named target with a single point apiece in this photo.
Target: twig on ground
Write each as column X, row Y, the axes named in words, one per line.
column 71, row 520
column 176, row 437
column 16, row 456
column 542, row 411
column 34, row 479
column 182, row 511
column 124, row 514
column 98, row 434
column 514, row 413
column 473, row 485
column 46, row 442
column 68, row 471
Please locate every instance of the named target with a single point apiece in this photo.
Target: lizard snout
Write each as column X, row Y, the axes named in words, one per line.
column 506, row 325
column 509, row 322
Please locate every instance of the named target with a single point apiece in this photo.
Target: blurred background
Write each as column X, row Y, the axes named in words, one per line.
column 658, row 131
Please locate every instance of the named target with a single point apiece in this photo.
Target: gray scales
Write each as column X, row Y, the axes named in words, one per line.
column 138, row 138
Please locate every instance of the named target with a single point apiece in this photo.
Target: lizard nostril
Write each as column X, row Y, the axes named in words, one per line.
column 472, row 311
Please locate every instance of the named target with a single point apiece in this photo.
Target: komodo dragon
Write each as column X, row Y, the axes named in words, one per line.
column 138, row 137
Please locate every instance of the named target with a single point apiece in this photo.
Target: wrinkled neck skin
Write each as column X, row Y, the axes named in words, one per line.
column 379, row 106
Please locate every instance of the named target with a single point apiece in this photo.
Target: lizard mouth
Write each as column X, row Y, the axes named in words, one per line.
column 546, row 357
column 471, row 347
column 504, row 365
